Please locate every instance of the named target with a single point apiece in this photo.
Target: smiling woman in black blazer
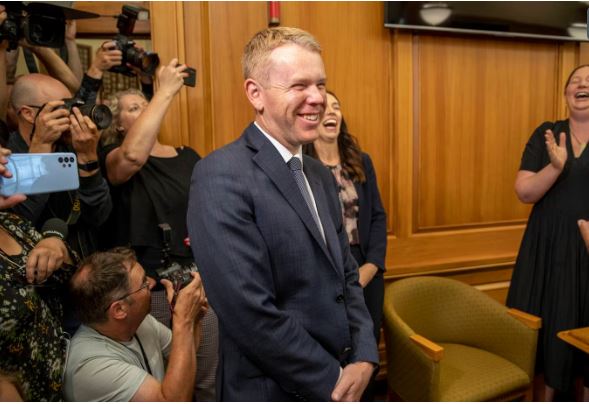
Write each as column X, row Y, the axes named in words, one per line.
column 364, row 215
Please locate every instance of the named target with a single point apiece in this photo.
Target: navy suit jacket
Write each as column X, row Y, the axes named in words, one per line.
column 290, row 308
column 372, row 220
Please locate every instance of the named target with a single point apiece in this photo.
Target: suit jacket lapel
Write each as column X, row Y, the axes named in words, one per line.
column 270, row 161
column 328, row 228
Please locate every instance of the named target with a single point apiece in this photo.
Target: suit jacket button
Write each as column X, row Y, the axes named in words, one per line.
column 339, row 298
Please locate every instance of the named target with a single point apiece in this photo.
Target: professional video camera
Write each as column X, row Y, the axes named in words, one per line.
column 147, row 62
column 41, row 24
column 99, row 114
column 176, row 273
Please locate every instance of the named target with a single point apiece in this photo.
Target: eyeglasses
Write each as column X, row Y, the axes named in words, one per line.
column 144, row 285
column 39, row 107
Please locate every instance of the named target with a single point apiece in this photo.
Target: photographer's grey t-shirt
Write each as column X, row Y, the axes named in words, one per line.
column 101, row 369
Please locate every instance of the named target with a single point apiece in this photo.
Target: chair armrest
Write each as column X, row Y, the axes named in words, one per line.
column 529, row 320
column 411, row 372
column 431, row 349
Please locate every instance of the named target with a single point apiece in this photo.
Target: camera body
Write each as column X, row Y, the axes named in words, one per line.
column 99, row 114
column 40, row 24
column 171, row 270
column 147, row 62
column 178, row 274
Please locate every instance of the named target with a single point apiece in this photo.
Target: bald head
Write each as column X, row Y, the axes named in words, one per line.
column 37, row 89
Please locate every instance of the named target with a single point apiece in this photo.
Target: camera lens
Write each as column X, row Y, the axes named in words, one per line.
column 101, row 116
column 149, row 62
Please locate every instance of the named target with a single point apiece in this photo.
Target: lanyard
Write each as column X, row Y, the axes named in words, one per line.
column 144, row 356
column 142, row 353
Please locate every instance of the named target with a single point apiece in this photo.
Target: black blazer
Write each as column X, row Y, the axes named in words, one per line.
column 372, row 219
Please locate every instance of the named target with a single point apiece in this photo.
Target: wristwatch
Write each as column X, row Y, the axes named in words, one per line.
column 89, row 166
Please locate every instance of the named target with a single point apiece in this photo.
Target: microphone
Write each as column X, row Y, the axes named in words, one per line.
column 55, row 227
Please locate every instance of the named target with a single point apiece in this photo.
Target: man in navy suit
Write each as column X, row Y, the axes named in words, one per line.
column 270, row 245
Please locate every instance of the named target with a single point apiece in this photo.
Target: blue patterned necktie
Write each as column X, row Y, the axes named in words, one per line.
column 295, row 166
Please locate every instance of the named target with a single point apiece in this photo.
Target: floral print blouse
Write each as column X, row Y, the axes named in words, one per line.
column 31, row 336
column 348, row 198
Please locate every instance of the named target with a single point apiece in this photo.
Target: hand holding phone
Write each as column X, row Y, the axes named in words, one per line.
column 40, row 173
column 8, row 202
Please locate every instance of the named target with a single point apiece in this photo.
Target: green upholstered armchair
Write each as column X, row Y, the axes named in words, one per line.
column 447, row 341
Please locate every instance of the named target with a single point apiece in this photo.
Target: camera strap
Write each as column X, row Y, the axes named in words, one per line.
column 30, row 61
column 75, row 212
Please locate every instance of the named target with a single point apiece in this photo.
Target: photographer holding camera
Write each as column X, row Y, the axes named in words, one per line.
column 118, row 353
column 149, row 185
column 46, row 125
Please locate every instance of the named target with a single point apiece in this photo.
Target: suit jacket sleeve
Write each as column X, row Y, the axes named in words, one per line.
column 236, row 269
column 377, row 238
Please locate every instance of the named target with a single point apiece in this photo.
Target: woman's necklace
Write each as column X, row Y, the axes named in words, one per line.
column 581, row 144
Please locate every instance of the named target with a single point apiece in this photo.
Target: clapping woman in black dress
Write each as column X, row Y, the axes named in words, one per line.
column 551, row 274
column 364, row 215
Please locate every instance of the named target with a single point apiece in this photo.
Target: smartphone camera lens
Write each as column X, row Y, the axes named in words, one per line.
column 60, row 159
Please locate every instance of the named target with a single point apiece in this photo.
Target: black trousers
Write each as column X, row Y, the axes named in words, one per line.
column 374, row 298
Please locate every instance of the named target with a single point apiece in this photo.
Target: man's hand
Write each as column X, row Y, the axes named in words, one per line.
column 106, row 57
column 47, row 257
column 584, row 228
column 189, row 302
column 85, row 136
column 353, row 382
column 49, row 126
column 8, row 202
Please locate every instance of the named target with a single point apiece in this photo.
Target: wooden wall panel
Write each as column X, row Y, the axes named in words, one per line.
column 474, row 114
column 231, row 25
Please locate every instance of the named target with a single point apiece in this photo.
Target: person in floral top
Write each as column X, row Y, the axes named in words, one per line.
column 34, row 272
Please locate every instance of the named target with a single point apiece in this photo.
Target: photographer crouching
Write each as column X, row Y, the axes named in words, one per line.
column 118, row 353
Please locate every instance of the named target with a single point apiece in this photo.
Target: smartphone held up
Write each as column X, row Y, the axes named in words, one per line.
column 38, row 173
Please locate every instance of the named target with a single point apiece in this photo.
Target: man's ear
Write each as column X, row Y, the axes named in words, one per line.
column 28, row 114
column 253, row 90
column 118, row 310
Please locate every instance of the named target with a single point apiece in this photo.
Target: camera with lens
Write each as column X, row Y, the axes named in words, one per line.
column 178, row 274
column 99, row 114
column 41, row 24
column 147, row 62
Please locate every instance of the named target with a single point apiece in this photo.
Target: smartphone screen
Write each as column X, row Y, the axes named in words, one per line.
column 39, row 173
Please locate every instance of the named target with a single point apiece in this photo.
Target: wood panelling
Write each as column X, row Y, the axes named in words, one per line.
column 231, row 25
column 444, row 117
column 107, row 24
column 474, row 116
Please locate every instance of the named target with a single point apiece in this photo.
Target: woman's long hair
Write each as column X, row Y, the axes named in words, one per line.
column 350, row 153
column 113, row 134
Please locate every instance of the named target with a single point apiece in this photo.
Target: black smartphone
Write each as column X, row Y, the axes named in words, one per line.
column 190, row 81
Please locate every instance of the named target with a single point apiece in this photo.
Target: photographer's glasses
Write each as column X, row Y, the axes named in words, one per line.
column 144, row 285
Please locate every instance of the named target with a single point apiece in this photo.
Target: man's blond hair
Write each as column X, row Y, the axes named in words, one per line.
column 258, row 49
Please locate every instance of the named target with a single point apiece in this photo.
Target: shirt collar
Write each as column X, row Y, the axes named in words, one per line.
column 284, row 152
